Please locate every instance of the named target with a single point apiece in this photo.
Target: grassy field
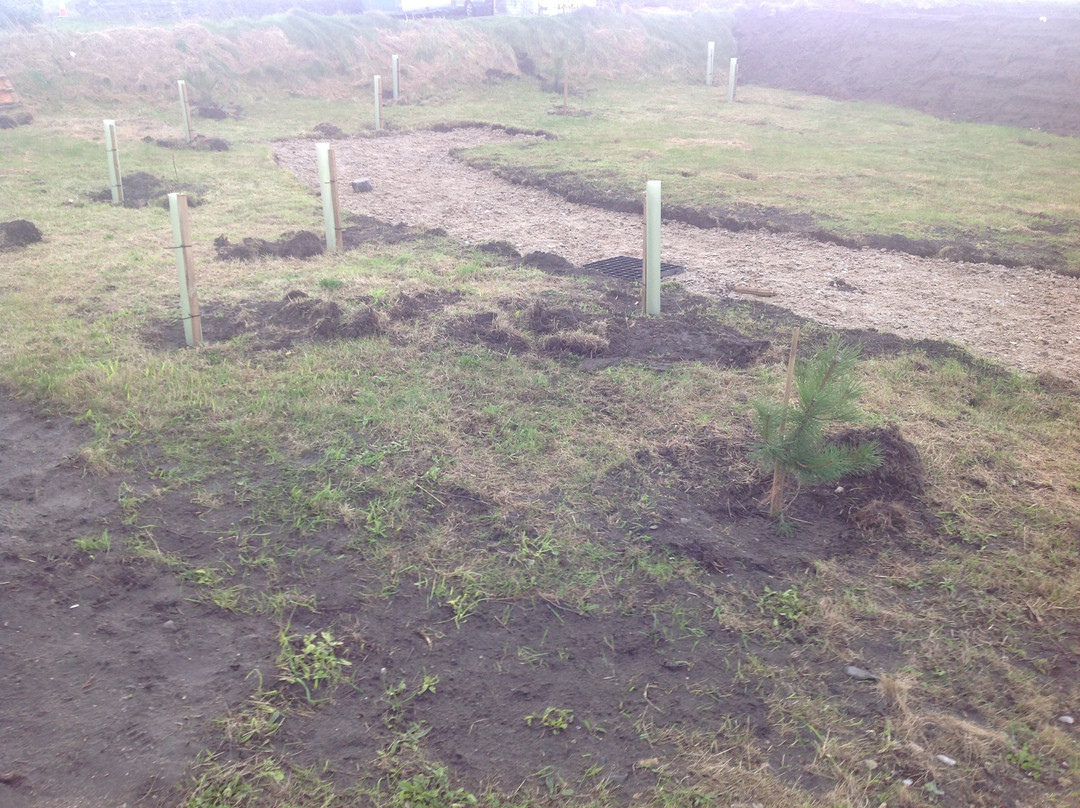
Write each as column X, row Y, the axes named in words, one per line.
column 511, row 499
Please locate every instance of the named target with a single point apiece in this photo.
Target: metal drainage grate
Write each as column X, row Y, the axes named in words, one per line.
column 629, row 269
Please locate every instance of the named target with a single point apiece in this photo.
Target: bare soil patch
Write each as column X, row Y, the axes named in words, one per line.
column 136, row 671
column 1021, row 317
column 302, row 244
column 142, row 189
column 112, row 677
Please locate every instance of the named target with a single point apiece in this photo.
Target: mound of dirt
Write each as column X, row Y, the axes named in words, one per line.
column 327, row 131
column 17, row 119
column 198, row 143
column 142, row 189
column 216, row 112
column 18, row 233
column 302, row 244
column 685, row 333
column 296, row 318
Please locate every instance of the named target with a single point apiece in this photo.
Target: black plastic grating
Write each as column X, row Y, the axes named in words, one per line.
column 629, row 269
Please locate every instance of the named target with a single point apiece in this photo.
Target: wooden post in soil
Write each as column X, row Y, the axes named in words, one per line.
column 112, row 154
column 185, row 109
column 394, row 63
column 328, row 182
column 732, row 69
column 652, row 247
column 776, row 495
column 378, row 103
column 709, row 64
column 189, row 298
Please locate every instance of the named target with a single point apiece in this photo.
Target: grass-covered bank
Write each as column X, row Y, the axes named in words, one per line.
column 230, row 61
column 551, row 581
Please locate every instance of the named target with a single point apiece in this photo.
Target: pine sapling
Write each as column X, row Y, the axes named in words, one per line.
column 794, row 439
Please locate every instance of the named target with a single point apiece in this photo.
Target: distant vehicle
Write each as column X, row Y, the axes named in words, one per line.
column 432, row 8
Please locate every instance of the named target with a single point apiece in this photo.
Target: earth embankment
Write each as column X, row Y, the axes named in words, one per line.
column 1013, row 65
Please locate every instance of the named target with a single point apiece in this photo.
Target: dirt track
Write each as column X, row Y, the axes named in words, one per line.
column 1023, row 318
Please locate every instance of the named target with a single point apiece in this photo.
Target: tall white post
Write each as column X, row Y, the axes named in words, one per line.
column 331, row 207
column 709, row 64
column 652, row 247
column 378, row 103
column 731, row 79
column 185, row 111
column 189, row 299
column 394, row 65
column 112, row 154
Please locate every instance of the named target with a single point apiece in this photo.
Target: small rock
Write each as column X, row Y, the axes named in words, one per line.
column 870, row 764
column 1066, row 719
column 907, row 781
column 860, row 674
column 948, row 761
column 362, row 185
column 839, row 489
column 169, row 625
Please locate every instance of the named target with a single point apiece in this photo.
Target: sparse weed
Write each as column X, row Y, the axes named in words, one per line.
column 311, row 661
column 785, row 607
column 94, row 544
column 553, row 719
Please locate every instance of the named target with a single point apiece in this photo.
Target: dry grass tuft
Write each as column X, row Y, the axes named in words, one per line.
column 575, row 341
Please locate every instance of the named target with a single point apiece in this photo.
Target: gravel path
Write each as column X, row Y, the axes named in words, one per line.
column 1024, row 318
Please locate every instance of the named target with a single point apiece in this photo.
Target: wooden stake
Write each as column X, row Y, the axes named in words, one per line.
column 185, row 267
column 644, row 254
column 776, row 496
column 185, row 111
column 328, row 183
column 378, row 103
column 112, row 154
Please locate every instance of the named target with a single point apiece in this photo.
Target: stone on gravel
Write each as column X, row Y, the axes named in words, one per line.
column 948, row 761
column 1066, row 719
column 362, row 185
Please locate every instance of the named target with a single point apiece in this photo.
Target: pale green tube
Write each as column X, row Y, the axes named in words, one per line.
column 185, row 113
column 112, row 154
column 731, row 79
column 394, row 62
column 189, row 306
column 378, row 103
column 652, row 247
column 709, row 64
column 322, row 153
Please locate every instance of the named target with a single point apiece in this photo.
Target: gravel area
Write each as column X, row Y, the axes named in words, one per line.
column 1024, row 318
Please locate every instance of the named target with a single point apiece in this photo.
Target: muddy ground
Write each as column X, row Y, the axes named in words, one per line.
column 135, row 671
